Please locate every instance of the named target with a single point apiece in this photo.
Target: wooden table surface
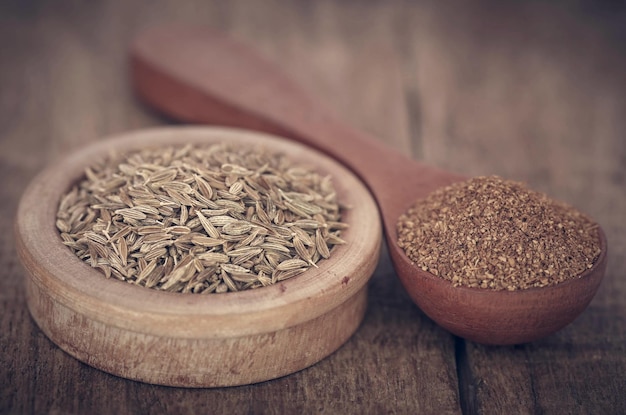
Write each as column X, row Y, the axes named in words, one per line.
column 526, row 90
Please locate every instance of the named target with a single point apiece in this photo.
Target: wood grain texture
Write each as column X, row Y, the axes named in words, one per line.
column 527, row 90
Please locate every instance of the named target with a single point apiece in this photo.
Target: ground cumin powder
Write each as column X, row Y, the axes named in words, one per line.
column 492, row 233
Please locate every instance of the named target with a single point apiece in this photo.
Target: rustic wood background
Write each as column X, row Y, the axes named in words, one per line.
column 527, row 90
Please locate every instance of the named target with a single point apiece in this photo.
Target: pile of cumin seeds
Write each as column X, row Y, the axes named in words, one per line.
column 201, row 219
column 497, row 234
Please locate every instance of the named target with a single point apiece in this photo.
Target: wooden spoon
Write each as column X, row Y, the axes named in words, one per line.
column 197, row 75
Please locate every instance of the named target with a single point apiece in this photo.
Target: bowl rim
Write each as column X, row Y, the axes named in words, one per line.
column 55, row 269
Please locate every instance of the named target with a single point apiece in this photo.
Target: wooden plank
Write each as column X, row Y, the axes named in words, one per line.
column 533, row 92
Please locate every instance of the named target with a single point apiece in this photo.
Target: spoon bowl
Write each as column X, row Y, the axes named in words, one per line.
column 196, row 75
column 500, row 317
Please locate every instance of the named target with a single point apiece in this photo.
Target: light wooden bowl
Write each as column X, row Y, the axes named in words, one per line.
column 194, row 340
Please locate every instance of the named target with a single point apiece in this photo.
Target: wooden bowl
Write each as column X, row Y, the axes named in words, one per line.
column 500, row 317
column 194, row 340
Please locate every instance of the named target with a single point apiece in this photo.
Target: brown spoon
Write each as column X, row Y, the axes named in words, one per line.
column 196, row 75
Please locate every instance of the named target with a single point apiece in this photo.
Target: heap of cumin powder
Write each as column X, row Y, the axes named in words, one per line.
column 497, row 234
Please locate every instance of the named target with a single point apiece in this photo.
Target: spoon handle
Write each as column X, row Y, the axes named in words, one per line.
column 197, row 75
